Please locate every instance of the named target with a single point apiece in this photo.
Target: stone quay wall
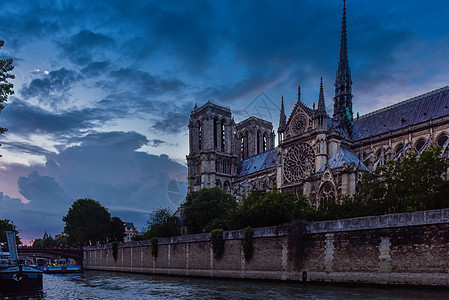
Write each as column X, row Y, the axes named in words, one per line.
column 403, row 249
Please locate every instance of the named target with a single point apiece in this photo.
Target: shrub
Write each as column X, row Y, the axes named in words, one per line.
column 114, row 250
column 154, row 243
column 217, row 242
column 247, row 243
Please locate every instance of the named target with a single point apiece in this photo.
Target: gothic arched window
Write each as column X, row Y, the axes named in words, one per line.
column 222, row 134
column 200, row 136
column 264, row 145
column 215, row 133
column 242, row 145
column 419, row 145
column 258, row 142
column 327, row 194
column 399, row 149
column 442, row 140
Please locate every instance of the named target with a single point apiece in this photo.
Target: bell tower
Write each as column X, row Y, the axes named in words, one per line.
column 211, row 161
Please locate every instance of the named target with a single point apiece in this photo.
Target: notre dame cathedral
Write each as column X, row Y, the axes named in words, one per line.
column 318, row 155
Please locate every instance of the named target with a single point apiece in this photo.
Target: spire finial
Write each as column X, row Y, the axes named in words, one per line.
column 299, row 93
column 282, row 117
column 321, row 104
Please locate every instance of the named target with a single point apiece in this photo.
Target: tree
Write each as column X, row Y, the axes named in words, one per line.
column 7, row 225
column 262, row 208
column 162, row 223
column 88, row 222
column 208, row 209
column 411, row 184
column 117, row 230
column 6, row 88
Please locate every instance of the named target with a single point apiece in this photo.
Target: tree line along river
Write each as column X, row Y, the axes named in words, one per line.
column 113, row 285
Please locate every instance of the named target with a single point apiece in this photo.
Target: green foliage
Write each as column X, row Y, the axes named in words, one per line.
column 6, row 88
column 208, row 209
column 88, row 222
column 162, row 223
column 61, row 241
column 411, row 184
column 247, row 244
column 154, row 243
column 50, row 242
column 114, row 250
column 262, row 208
column 117, row 229
column 6, row 225
column 217, row 242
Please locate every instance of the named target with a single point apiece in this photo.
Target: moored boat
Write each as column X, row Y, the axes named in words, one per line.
column 15, row 275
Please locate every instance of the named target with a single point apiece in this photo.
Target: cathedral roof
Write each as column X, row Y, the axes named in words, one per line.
column 416, row 110
column 341, row 157
column 258, row 162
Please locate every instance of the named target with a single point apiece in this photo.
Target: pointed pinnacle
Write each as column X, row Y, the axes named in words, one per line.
column 321, row 104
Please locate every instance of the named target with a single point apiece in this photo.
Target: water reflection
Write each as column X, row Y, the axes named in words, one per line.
column 110, row 285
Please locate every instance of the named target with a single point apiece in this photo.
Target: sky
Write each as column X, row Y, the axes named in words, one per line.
column 104, row 89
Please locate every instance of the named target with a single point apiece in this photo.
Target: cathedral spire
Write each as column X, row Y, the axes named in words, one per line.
column 282, row 118
column 342, row 118
column 321, row 105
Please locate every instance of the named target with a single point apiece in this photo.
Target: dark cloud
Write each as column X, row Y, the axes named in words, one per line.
column 144, row 82
column 173, row 119
column 95, row 68
column 52, row 88
column 82, row 47
column 173, row 122
column 104, row 166
column 25, row 148
column 157, row 142
column 24, row 119
column 41, row 189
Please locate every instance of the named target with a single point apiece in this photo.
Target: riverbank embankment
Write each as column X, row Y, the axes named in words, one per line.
column 404, row 249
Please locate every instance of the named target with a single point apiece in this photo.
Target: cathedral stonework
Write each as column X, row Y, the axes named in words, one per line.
column 318, row 155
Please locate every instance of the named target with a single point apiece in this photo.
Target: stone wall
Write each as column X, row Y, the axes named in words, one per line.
column 408, row 249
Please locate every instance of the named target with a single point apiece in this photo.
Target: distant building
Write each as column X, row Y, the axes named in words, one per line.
column 318, row 155
column 130, row 231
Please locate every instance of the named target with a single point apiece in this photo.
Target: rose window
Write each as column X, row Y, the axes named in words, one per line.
column 299, row 124
column 299, row 161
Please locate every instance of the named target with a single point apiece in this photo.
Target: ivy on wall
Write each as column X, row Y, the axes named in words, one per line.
column 114, row 250
column 247, row 243
column 217, row 242
column 154, row 244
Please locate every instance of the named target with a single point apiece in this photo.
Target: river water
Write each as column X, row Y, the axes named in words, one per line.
column 111, row 285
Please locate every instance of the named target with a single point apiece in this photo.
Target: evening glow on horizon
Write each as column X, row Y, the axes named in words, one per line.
column 103, row 89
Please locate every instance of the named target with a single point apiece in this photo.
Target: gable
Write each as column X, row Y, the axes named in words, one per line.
column 300, row 120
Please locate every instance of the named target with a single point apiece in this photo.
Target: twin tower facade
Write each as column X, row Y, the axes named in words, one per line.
column 318, row 155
